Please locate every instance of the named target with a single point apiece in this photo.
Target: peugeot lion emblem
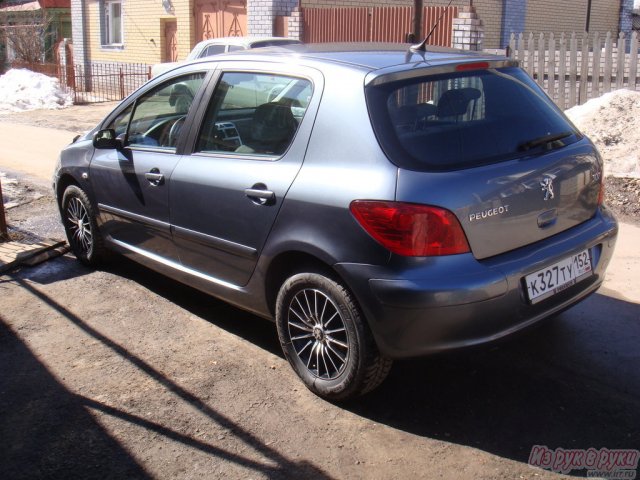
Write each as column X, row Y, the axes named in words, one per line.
column 547, row 188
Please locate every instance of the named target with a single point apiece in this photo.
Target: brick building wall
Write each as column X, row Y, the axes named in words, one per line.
column 546, row 16
column 284, row 7
column 513, row 19
column 143, row 31
column 79, row 33
column 261, row 15
column 626, row 16
column 260, row 18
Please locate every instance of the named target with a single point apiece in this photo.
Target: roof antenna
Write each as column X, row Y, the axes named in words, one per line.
column 422, row 46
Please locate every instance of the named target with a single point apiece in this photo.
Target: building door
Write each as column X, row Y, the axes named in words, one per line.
column 220, row 18
column 170, row 41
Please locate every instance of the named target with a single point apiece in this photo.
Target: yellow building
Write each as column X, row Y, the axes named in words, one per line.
column 153, row 31
column 141, row 31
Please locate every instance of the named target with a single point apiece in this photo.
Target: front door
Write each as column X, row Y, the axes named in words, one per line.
column 132, row 184
column 226, row 195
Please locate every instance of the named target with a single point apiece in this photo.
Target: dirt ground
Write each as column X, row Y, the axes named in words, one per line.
column 77, row 118
column 121, row 373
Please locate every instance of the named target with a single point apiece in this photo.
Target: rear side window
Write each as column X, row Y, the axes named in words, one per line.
column 254, row 113
column 465, row 119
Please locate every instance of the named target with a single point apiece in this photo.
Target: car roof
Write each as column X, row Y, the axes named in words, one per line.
column 382, row 58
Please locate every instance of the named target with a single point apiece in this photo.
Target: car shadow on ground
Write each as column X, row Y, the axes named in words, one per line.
column 573, row 382
column 252, row 328
column 46, row 431
column 26, row 440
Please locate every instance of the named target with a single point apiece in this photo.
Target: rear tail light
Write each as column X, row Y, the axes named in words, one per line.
column 601, row 192
column 409, row 229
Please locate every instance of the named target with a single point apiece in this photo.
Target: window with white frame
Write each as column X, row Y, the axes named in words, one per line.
column 112, row 22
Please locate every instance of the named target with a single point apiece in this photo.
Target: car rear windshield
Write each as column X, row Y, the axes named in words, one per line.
column 465, row 119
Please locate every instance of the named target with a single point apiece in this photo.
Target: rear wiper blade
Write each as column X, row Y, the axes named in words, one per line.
column 545, row 140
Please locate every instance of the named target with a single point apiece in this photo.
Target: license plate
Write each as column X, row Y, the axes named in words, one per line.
column 559, row 276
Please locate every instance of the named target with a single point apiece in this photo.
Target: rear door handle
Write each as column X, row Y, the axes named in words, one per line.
column 154, row 176
column 260, row 196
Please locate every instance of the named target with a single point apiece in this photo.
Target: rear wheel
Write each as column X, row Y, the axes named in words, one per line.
column 325, row 338
column 80, row 225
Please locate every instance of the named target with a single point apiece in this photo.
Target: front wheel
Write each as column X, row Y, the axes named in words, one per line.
column 326, row 339
column 80, row 225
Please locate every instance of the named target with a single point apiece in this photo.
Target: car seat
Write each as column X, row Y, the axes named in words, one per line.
column 272, row 128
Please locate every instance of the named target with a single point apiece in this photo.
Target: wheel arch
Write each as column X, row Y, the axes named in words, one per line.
column 360, row 372
column 289, row 263
column 65, row 180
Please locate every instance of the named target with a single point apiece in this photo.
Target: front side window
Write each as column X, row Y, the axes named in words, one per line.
column 465, row 119
column 254, row 113
column 121, row 122
column 112, row 22
column 158, row 116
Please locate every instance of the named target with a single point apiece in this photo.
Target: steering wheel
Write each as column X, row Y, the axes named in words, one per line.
column 174, row 133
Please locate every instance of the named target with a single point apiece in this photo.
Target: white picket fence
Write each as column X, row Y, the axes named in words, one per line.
column 572, row 70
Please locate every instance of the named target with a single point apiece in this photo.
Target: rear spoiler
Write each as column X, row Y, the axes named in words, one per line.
column 407, row 71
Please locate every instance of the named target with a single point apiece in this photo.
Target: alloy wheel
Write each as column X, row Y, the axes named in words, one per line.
column 79, row 225
column 318, row 333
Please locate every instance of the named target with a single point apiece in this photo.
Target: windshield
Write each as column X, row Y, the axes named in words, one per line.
column 465, row 119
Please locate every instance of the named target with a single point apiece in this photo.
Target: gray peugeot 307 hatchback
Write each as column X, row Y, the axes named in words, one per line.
column 376, row 202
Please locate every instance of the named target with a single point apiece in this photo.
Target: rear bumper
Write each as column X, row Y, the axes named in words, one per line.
column 421, row 306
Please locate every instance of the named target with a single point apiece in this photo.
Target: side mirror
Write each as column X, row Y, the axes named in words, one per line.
column 106, row 139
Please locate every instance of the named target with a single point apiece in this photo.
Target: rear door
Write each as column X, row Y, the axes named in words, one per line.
column 226, row 194
column 490, row 146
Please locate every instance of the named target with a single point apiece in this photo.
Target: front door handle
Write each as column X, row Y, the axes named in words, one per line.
column 260, row 195
column 154, row 177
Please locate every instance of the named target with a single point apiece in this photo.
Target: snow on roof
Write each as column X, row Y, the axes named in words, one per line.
column 22, row 89
column 612, row 122
column 22, row 7
column 36, row 5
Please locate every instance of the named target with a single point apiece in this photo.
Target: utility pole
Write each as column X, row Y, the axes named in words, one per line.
column 417, row 20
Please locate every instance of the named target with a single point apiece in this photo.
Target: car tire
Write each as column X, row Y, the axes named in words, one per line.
column 79, row 219
column 325, row 338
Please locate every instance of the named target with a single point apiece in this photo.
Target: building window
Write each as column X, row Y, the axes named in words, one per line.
column 112, row 22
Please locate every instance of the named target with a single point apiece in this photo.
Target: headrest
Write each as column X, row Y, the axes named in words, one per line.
column 180, row 90
column 455, row 102
column 273, row 122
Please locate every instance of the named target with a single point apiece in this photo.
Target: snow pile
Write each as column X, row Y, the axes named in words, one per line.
column 612, row 122
column 22, row 89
